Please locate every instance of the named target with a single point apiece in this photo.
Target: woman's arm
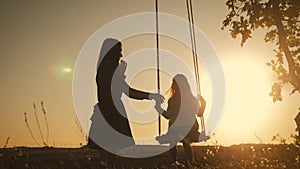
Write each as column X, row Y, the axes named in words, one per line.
column 131, row 92
column 140, row 95
column 137, row 94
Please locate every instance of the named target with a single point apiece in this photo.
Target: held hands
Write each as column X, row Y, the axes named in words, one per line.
column 159, row 99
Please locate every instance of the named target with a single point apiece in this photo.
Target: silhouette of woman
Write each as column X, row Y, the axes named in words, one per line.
column 111, row 84
column 181, row 111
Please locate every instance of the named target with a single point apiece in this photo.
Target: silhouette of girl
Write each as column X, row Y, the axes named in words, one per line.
column 111, row 84
column 181, row 111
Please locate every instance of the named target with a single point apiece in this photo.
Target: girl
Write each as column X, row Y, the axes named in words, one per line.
column 183, row 125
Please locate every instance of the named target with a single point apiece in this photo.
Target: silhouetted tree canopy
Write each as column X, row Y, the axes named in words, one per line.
column 280, row 18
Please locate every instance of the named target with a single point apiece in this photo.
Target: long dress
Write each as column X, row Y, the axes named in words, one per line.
column 110, row 127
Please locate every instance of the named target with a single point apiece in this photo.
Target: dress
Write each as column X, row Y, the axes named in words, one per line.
column 110, row 126
column 182, row 121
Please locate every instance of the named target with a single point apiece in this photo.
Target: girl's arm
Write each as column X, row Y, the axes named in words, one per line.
column 166, row 113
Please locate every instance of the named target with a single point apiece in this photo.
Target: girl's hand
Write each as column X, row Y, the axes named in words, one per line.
column 158, row 108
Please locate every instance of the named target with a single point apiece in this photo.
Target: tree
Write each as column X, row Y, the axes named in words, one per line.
column 281, row 19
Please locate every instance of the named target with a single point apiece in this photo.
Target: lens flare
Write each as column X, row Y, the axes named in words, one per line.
column 66, row 70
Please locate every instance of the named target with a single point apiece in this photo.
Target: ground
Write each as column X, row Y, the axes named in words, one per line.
column 208, row 157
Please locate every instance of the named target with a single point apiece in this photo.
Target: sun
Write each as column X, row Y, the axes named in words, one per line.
column 247, row 95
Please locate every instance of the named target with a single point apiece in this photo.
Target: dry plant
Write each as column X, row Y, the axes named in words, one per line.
column 81, row 131
column 46, row 120
column 6, row 142
column 45, row 142
column 38, row 124
column 29, row 129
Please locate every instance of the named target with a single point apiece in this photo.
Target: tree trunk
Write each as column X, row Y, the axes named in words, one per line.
column 295, row 81
column 297, row 120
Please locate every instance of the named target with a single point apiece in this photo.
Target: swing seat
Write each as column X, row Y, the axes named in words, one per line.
column 170, row 137
column 177, row 134
column 203, row 137
column 165, row 139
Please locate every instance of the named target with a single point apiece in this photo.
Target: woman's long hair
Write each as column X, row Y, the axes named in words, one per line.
column 110, row 52
column 107, row 64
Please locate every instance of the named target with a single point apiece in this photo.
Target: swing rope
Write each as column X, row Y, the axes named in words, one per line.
column 193, row 42
column 194, row 53
column 189, row 7
column 157, row 58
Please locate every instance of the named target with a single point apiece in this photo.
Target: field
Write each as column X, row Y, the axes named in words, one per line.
column 208, row 157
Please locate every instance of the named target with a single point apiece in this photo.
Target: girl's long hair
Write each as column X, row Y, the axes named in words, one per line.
column 180, row 88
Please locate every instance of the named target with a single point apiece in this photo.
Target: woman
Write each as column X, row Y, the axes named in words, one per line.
column 111, row 84
column 183, row 125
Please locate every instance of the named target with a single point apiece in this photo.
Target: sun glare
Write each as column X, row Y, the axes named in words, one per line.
column 247, row 95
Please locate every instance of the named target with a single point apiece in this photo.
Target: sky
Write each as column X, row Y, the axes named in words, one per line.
column 41, row 41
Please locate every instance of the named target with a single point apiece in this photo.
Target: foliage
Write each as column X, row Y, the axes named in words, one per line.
column 281, row 20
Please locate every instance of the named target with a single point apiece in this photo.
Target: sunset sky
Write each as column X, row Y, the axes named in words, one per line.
column 41, row 41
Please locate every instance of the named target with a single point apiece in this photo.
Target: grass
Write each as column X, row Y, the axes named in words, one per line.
column 208, row 157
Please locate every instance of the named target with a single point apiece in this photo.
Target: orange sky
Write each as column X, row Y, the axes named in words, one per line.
column 40, row 42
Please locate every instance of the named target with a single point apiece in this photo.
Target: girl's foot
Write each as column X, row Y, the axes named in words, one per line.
column 189, row 165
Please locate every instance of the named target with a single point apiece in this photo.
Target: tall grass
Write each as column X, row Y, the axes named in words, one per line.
column 6, row 142
column 29, row 129
column 81, row 131
column 38, row 124
column 46, row 120
column 44, row 142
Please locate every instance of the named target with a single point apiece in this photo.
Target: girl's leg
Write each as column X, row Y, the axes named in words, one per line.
column 173, row 153
column 188, row 150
